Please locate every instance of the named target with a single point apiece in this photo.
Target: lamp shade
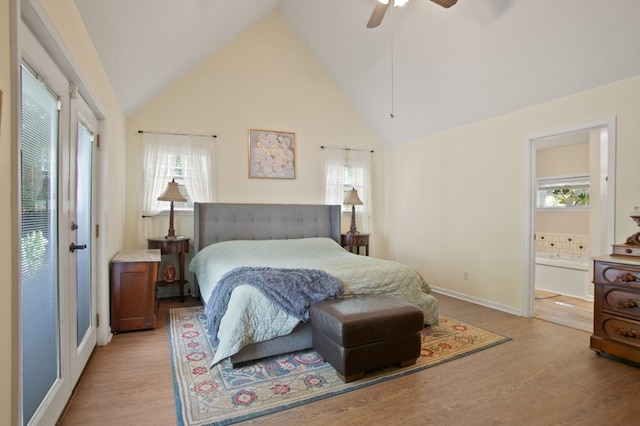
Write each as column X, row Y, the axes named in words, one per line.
column 172, row 193
column 353, row 199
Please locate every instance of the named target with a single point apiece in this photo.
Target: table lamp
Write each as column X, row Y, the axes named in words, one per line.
column 354, row 201
column 172, row 193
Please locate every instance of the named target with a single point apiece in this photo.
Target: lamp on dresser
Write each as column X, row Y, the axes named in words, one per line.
column 172, row 194
column 353, row 200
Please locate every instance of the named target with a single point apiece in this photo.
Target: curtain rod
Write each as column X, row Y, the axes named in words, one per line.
column 176, row 134
column 346, row 149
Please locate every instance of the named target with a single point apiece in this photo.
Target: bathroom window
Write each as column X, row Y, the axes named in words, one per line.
column 569, row 192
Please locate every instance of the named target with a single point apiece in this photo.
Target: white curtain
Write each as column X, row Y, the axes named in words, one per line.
column 361, row 166
column 346, row 169
column 335, row 163
column 187, row 158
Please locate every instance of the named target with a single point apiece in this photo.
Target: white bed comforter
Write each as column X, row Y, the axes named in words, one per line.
column 251, row 317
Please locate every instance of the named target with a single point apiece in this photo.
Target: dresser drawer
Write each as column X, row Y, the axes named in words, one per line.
column 620, row 330
column 621, row 275
column 620, row 301
column 626, row 250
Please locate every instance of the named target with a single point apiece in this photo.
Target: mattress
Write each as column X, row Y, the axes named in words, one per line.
column 251, row 318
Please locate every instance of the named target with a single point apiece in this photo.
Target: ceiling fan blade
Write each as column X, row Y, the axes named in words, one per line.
column 445, row 3
column 378, row 14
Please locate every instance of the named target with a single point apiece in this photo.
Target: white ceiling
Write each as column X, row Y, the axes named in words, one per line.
column 476, row 60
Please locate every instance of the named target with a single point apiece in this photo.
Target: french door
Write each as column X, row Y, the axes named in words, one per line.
column 57, row 281
column 81, row 226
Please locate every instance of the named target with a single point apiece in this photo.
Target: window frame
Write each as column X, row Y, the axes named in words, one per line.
column 169, row 156
column 349, row 183
column 574, row 183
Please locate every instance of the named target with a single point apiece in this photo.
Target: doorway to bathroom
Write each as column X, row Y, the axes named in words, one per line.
column 570, row 219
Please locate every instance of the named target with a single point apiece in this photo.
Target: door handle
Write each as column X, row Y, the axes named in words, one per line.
column 73, row 247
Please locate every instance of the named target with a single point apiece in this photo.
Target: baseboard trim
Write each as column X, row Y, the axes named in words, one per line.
column 478, row 301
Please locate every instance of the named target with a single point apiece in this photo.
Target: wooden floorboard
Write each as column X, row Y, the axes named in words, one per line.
column 546, row 375
column 128, row 381
column 564, row 310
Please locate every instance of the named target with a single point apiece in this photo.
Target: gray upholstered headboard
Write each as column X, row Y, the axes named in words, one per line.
column 214, row 222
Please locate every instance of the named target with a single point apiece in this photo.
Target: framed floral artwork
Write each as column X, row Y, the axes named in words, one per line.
column 272, row 154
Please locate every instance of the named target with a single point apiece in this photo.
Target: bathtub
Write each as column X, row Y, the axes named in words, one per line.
column 563, row 274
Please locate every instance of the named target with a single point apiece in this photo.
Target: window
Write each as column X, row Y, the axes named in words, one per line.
column 177, row 172
column 346, row 169
column 352, row 179
column 185, row 158
column 571, row 192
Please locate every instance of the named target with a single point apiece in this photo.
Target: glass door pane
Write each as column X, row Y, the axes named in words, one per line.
column 83, row 232
column 39, row 243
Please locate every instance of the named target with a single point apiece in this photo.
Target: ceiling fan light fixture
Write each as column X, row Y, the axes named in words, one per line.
column 382, row 5
column 445, row 3
column 398, row 3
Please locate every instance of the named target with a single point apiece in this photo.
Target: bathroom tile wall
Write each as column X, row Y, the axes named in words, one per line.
column 572, row 244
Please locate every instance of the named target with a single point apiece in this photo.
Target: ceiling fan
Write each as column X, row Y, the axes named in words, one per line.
column 382, row 5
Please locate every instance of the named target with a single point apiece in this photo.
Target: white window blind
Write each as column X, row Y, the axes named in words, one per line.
column 39, row 242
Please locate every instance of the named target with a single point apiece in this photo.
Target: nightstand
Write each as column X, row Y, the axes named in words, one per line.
column 178, row 246
column 133, row 277
column 356, row 241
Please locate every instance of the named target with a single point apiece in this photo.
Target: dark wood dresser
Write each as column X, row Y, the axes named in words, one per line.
column 133, row 290
column 616, row 314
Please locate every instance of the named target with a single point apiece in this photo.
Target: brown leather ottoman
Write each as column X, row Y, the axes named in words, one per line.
column 368, row 332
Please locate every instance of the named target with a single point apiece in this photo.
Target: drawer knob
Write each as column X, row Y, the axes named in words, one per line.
column 627, row 303
column 628, row 332
column 627, row 277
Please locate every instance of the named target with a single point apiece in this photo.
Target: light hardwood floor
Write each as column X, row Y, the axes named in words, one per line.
column 546, row 375
column 564, row 310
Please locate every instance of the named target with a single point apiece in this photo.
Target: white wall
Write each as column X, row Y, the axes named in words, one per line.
column 461, row 207
column 266, row 79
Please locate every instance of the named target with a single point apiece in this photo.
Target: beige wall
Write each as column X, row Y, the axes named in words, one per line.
column 563, row 160
column 466, row 209
column 558, row 161
column 265, row 79
column 7, row 250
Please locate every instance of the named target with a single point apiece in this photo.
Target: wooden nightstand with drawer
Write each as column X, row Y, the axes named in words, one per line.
column 616, row 314
column 133, row 290
column 170, row 246
column 353, row 242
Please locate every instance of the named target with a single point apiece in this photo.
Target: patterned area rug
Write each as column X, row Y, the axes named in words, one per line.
column 224, row 395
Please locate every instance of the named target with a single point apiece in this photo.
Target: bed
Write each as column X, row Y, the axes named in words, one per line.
column 232, row 236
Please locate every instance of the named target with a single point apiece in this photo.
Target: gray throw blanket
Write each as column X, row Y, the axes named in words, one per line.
column 294, row 290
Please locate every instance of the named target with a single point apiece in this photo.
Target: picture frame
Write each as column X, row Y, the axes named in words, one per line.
column 272, row 154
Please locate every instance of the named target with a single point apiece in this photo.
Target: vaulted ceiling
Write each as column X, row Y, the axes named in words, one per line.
column 432, row 68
